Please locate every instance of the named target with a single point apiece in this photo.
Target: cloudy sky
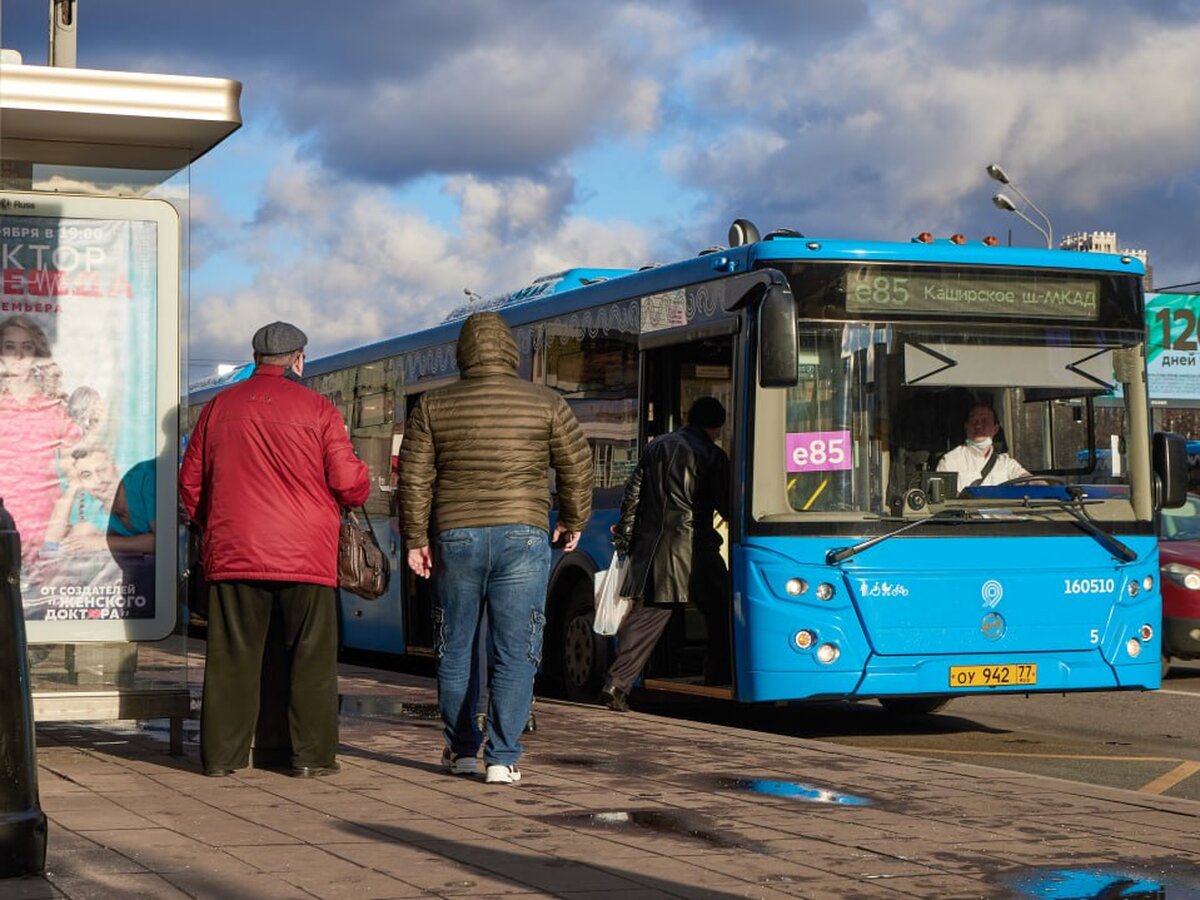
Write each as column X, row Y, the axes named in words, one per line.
column 397, row 152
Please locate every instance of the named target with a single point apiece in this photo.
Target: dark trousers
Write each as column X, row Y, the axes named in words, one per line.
column 639, row 632
column 717, row 669
column 239, row 621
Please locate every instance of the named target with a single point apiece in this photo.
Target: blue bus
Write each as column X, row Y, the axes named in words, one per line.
column 848, row 368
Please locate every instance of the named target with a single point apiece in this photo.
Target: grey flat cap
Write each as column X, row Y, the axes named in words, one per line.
column 278, row 338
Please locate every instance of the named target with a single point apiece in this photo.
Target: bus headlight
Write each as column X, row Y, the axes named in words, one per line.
column 1185, row 576
column 1134, row 588
column 1148, row 583
column 828, row 653
column 1133, row 647
column 796, row 586
column 825, row 591
column 805, row 639
column 1146, row 632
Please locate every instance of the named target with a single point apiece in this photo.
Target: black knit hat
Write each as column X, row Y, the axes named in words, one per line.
column 707, row 412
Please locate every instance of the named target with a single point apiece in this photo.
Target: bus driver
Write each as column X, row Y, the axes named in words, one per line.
column 976, row 460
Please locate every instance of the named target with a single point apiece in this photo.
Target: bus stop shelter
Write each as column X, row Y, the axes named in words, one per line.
column 95, row 192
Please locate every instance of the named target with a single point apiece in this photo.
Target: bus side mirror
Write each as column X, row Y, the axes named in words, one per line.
column 778, row 358
column 1169, row 454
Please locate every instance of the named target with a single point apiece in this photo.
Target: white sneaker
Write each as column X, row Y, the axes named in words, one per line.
column 459, row 765
column 498, row 774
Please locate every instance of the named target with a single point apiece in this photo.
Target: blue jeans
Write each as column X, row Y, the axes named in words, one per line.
column 503, row 568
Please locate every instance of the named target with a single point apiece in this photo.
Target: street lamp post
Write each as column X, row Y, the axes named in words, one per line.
column 1002, row 202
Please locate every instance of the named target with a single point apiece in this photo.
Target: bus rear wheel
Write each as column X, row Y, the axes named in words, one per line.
column 583, row 654
column 913, row 706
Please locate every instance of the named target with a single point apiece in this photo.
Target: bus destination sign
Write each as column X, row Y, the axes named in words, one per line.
column 883, row 289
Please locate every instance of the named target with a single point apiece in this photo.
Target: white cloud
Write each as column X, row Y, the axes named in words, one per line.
column 887, row 131
column 348, row 265
column 514, row 101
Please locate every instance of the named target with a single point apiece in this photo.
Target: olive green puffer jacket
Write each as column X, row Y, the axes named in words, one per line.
column 478, row 452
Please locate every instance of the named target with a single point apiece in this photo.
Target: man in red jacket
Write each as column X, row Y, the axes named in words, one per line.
column 267, row 466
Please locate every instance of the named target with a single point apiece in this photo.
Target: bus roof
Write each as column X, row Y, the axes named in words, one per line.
column 945, row 251
column 579, row 288
column 543, row 286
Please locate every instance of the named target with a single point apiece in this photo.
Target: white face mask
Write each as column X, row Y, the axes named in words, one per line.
column 982, row 443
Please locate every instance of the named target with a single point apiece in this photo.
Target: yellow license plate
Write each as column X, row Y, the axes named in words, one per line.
column 997, row 675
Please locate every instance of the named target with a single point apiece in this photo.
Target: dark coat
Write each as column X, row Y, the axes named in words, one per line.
column 666, row 520
column 478, row 452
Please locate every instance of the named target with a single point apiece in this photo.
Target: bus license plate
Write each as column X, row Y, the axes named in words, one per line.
column 998, row 675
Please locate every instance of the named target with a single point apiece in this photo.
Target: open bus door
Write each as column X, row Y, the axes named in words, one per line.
column 674, row 376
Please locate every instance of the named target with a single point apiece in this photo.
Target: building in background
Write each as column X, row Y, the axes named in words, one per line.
column 1106, row 242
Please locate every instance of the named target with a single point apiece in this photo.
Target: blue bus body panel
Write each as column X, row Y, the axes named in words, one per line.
column 377, row 625
column 596, row 542
column 1062, row 603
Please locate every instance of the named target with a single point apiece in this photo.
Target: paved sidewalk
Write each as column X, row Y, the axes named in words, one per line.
column 611, row 806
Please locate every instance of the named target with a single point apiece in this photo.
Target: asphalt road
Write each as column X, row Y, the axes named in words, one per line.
column 1145, row 741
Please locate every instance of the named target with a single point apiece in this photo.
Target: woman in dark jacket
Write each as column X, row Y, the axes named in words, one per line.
column 666, row 527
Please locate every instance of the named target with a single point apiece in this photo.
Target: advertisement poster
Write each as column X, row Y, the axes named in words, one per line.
column 1173, row 346
column 87, row 396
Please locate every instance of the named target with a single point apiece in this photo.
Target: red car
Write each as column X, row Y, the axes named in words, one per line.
column 1179, row 563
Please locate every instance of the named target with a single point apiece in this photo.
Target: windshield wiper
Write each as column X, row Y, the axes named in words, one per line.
column 833, row 557
column 1075, row 508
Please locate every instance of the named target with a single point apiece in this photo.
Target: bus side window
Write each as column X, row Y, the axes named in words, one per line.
column 596, row 372
column 371, row 429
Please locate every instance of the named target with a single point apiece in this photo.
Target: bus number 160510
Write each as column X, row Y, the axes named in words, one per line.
column 1089, row 585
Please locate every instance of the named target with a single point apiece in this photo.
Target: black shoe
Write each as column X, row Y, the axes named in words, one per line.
column 218, row 773
column 614, row 698
column 315, row 771
column 531, row 723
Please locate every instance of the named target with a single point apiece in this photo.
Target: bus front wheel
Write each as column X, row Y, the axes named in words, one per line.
column 913, row 706
column 583, row 654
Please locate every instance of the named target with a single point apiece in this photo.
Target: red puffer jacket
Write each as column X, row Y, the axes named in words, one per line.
column 266, row 467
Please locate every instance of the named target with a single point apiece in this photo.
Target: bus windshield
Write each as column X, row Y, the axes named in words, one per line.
column 881, row 405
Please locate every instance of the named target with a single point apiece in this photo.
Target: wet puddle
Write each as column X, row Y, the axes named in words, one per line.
column 793, row 790
column 1108, row 884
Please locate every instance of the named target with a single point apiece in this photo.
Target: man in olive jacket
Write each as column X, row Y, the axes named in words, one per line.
column 475, row 463
column 666, row 527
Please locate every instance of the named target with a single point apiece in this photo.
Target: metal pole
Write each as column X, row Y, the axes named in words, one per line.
column 1049, row 232
column 1042, row 231
column 22, row 822
column 63, row 18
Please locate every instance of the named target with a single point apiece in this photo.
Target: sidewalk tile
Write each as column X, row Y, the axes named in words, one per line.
column 118, row 886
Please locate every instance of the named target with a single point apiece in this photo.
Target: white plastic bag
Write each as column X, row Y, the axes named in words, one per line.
column 610, row 605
